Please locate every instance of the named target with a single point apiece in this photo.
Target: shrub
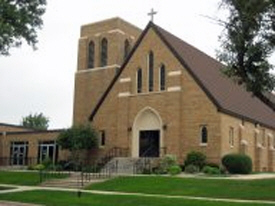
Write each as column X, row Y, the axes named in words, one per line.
column 192, row 169
column 195, row 158
column 167, row 162
column 31, row 167
column 174, row 170
column 212, row 164
column 39, row 167
column 211, row 170
column 47, row 162
column 237, row 163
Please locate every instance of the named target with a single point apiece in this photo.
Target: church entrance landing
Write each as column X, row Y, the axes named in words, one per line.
column 149, row 143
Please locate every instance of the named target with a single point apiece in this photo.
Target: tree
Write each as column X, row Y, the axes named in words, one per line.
column 78, row 138
column 19, row 20
column 36, row 121
column 247, row 42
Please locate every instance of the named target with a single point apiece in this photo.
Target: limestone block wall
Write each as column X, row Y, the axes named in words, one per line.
column 183, row 107
column 91, row 83
column 251, row 139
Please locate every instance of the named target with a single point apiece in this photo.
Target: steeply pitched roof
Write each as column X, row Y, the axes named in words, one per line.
column 228, row 97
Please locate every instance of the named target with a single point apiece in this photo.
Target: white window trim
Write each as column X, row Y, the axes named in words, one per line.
column 124, row 94
column 174, row 73
column 97, row 69
column 116, row 31
column 124, row 80
column 174, row 89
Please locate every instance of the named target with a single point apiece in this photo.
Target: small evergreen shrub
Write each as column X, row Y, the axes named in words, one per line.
column 237, row 163
column 211, row 170
column 174, row 170
column 195, row 158
column 192, row 169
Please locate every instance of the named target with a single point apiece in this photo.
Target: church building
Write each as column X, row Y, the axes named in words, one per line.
column 150, row 93
column 154, row 94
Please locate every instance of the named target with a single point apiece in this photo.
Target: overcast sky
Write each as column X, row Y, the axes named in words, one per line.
column 43, row 80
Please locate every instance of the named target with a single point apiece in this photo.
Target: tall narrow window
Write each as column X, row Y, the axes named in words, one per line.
column 231, row 136
column 126, row 48
column 91, row 55
column 139, row 80
column 204, row 135
column 102, row 139
column 104, row 52
column 151, row 71
column 263, row 140
column 162, row 78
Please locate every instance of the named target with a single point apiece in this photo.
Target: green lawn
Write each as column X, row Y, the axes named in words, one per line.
column 219, row 188
column 54, row 198
column 22, row 178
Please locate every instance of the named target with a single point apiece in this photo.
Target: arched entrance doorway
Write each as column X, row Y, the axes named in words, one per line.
column 147, row 134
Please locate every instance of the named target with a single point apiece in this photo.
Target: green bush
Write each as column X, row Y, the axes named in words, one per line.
column 195, row 158
column 48, row 163
column 192, row 169
column 237, row 163
column 31, row 167
column 167, row 162
column 212, row 164
column 39, row 167
column 174, row 170
column 211, row 170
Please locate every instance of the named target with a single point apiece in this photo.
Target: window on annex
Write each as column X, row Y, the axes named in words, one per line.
column 102, row 138
column 47, row 150
column 139, row 80
column 126, row 48
column 151, row 71
column 231, row 136
column 263, row 138
column 91, row 55
column 104, row 52
column 19, row 153
column 204, row 135
column 162, row 78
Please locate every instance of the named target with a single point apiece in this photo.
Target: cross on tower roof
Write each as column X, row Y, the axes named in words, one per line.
column 152, row 13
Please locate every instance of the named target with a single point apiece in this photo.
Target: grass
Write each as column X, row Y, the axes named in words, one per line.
column 219, row 188
column 69, row 198
column 23, row 178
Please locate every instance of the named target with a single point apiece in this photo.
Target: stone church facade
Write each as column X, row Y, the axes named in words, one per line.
column 150, row 93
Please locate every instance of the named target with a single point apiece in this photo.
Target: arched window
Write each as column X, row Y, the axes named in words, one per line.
column 151, row 71
column 126, row 48
column 162, row 78
column 139, row 80
column 91, row 55
column 104, row 52
column 204, row 135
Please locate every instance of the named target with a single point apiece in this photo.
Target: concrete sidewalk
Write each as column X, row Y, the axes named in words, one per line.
column 30, row 188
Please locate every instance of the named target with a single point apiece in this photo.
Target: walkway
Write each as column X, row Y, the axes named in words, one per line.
column 30, row 188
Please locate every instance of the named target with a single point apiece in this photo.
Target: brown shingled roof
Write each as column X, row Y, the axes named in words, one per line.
column 224, row 93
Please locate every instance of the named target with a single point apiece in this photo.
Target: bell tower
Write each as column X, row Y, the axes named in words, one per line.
column 103, row 46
